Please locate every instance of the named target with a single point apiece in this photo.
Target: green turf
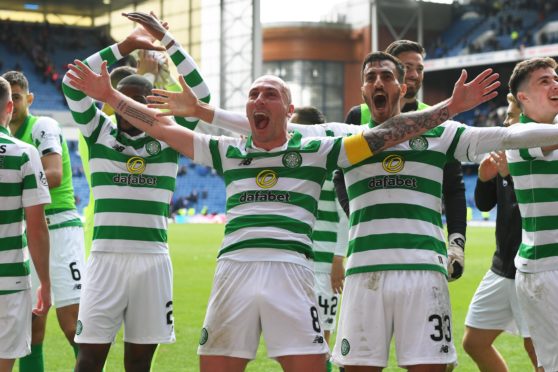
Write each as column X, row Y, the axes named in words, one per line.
column 193, row 250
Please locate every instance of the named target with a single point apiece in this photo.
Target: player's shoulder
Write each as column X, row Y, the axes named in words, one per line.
column 452, row 124
column 46, row 123
column 15, row 147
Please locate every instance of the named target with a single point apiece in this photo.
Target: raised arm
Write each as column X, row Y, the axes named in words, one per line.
column 408, row 125
column 82, row 107
column 163, row 128
column 184, row 63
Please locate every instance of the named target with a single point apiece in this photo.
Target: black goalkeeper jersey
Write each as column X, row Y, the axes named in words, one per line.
column 499, row 191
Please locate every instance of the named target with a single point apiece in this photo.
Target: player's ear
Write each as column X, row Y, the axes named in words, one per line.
column 9, row 107
column 522, row 97
column 403, row 90
column 30, row 99
column 290, row 110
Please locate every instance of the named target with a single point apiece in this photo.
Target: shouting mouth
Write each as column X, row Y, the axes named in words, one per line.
column 380, row 101
column 261, row 120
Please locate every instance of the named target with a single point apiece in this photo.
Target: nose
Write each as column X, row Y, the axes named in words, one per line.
column 378, row 83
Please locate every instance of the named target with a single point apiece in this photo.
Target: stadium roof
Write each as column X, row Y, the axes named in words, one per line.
column 88, row 8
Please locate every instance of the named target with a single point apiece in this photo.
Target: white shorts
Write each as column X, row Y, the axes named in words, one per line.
column 248, row 298
column 495, row 306
column 66, row 266
column 132, row 288
column 412, row 306
column 538, row 297
column 15, row 325
column 328, row 302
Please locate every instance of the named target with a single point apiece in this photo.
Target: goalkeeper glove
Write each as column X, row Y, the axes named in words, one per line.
column 456, row 256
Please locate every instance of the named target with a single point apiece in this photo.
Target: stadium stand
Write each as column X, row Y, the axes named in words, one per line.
column 483, row 26
column 43, row 51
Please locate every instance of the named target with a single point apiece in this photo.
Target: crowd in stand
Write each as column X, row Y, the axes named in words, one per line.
column 506, row 24
column 37, row 42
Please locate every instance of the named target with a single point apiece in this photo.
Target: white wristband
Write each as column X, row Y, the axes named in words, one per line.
column 167, row 38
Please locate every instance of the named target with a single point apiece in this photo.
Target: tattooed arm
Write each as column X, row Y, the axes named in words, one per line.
column 408, row 125
column 139, row 115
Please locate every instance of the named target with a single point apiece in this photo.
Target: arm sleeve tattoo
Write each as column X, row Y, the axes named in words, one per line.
column 402, row 127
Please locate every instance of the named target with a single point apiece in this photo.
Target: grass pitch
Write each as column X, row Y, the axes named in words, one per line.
column 194, row 249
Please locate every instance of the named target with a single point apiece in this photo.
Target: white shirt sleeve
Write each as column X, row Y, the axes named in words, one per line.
column 233, row 121
column 475, row 141
column 47, row 135
column 39, row 193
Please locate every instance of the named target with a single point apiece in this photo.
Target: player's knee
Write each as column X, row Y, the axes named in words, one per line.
column 70, row 334
column 87, row 362
column 137, row 362
column 470, row 343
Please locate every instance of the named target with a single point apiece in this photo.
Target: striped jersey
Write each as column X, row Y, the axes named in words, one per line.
column 132, row 177
column 395, row 198
column 535, row 178
column 22, row 184
column 272, row 196
column 45, row 134
column 330, row 230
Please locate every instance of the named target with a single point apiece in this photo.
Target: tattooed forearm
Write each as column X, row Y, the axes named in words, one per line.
column 402, row 127
column 131, row 112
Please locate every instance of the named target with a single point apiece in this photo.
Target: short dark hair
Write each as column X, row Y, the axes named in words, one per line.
column 138, row 81
column 120, row 73
column 5, row 92
column 523, row 70
column 308, row 115
column 401, row 46
column 383, row 56
column 17, row 78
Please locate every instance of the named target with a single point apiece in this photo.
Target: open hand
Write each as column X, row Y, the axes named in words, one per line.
column 469, row 95
column 493, row 164
column 337, row 274
column 174, row 103
column 149, row 22
column 96, row 86
column 43, row 301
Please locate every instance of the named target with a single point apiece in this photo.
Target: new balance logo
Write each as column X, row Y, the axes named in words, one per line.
column 246, row 161
column 444, row 349
column 318, row 340
column 77, row 286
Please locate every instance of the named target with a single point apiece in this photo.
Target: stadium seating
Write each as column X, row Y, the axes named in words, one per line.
column 65, row 44
column 502, row 25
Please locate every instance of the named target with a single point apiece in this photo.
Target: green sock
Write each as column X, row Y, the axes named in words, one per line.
column 329, row 366
column 76, row 349
column 33, row 362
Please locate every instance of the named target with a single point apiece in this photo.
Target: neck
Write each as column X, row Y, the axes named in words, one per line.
column 541, row 117
column 15, row 124
column 270, row 144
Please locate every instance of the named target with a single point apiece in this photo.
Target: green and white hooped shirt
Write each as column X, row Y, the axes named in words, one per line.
column 272, row 196
column 132, row 178
column 22, row 184
column 395, row 198
column 535, row 178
